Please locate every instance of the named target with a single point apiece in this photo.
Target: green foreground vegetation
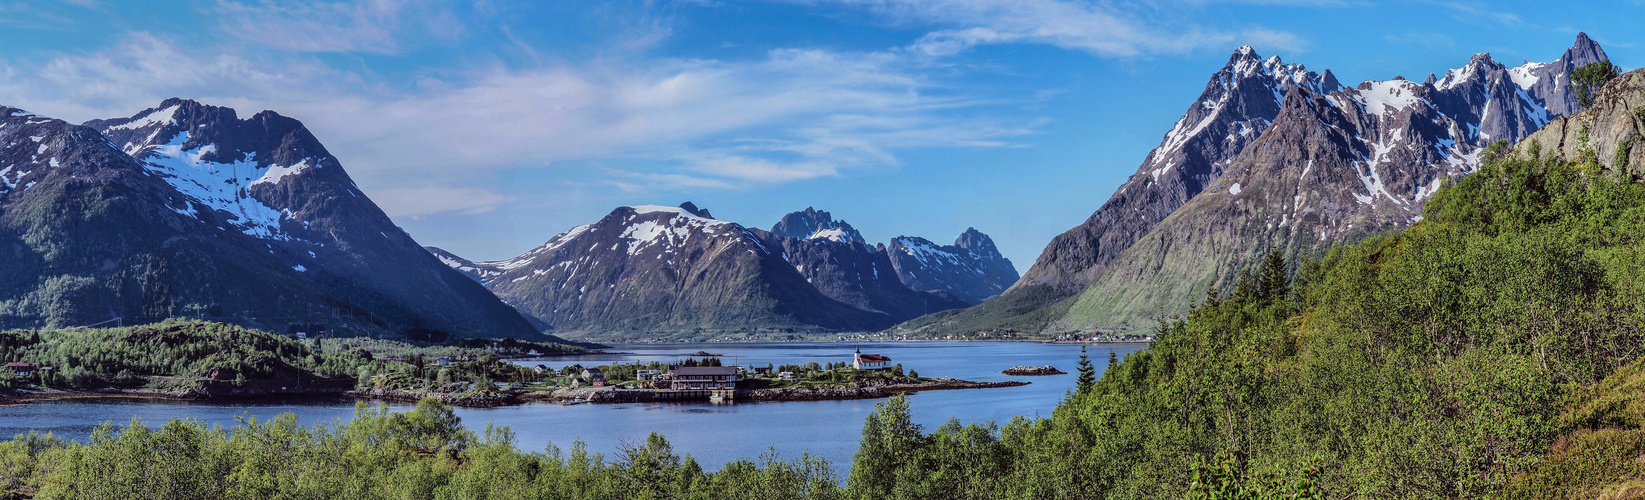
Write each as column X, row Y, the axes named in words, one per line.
column 1490, row 350
column 379, row 454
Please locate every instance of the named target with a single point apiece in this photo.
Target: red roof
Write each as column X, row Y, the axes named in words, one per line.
column 873, row 357
column 19, row 365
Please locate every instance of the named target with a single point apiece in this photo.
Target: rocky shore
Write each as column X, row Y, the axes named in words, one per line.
column 1033, row 370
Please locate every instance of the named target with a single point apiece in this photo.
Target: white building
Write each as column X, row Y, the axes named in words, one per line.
column 862, row 361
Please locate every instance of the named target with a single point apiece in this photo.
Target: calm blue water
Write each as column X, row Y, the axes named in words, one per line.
column 714, row 434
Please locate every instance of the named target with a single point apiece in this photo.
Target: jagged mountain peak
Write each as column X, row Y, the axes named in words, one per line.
column 813, row 224
column 1479, row 68
column 693, row 209
column 975, row 241
column 1584, row 49
column 1239, row 102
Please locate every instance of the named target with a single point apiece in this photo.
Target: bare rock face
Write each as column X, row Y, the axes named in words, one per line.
column 1612, row 129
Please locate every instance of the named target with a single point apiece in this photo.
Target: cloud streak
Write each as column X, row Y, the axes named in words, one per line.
column 370, row 26
column 792, row 115
column 1093, row 27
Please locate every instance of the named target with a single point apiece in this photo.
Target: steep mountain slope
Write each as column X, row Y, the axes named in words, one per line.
column 1239, row 102
column 89, row 234
column 1331, row 169
column 266, row 213
column 971, row 269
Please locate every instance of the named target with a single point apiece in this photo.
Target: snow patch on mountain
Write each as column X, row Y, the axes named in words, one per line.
column 217, row 186
column 1525, row 75
column 1385, row 96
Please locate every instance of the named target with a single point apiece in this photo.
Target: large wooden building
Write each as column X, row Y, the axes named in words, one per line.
column 703, row 377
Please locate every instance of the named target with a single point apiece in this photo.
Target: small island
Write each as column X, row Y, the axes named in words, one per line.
column 867, row 376
column 199, row 360
column 1033, row 370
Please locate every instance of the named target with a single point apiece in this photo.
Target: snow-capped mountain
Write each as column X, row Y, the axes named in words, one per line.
column 834, row 258
column 1331, row 169
column 811, row 224
column 1396, row 140
column 657, row 270
column 266, row 229
column 971, row 268
column 1238, row 104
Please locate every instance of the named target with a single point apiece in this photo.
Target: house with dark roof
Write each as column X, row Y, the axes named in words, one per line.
column 594, row 376
column 703, row 377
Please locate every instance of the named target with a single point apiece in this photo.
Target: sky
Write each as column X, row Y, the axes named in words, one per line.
column 487, row 127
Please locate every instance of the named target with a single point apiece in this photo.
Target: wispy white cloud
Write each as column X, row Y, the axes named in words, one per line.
column 369, row 26
column 792, row 115
column 1098, row 28
column 1480, row 13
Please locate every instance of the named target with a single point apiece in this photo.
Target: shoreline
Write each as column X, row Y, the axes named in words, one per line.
column 515, row 398
column 840, row 393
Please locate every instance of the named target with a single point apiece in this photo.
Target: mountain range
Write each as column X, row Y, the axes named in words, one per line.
column 1271, row 156
column 186, row 209
column 678, row 273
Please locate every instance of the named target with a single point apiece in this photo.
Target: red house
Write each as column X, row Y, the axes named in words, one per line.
column 24, row 369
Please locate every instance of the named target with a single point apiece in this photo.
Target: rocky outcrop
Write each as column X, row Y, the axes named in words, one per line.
column 1612, row 128
column 1033, row 370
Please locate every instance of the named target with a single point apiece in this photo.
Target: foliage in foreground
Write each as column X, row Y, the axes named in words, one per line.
column 422, row 453
column 1443, row 361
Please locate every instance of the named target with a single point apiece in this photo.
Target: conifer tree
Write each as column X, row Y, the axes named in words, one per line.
column 1589, row 78
column 1088, row 374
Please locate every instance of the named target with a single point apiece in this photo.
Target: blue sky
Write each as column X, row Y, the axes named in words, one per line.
column 487, row 127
